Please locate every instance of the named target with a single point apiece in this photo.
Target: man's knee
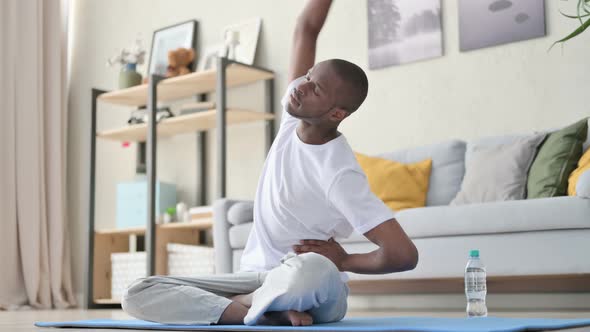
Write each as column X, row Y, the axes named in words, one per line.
column 317, row 264
column 132, row 297
column 312, row 271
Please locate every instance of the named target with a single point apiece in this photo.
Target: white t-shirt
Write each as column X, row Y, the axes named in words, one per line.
column 306, row 191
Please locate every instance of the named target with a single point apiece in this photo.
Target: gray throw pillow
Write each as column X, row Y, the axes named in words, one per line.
column 240, row 213
column 498, row 173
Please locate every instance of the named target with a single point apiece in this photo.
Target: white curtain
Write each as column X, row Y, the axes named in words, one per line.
column 34, row 245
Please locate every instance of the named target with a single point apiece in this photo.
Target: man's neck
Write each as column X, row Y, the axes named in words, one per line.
column 314, row 134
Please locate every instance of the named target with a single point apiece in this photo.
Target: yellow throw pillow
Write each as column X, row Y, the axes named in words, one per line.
column 583, row 165
column 400, row 186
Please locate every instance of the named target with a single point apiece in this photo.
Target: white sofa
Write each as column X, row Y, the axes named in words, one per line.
column 541, row 241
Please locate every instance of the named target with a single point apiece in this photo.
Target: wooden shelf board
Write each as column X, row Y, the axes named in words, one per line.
column 107, row 301
column 181, row 124
column 187, row 85
column 121, row 231
column 200, row 224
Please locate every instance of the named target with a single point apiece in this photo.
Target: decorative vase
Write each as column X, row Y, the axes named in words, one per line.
column 129, row 77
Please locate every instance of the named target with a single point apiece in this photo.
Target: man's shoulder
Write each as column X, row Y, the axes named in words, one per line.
column 343, row 153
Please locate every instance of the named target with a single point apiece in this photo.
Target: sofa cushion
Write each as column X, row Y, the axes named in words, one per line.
column 241, row 212
column 400, row 186
column 557, row 158
column 447, row 168
column 490, row 218
column 488, row 142
column 498, row 173
column 587, row 143
column 238, row 235
column 486, row 218
column 583, row 185
column 574, row 179
column 513, row 254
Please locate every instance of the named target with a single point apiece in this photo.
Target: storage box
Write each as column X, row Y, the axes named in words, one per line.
column 126, row 267
column 188, row 260
column 132, row 204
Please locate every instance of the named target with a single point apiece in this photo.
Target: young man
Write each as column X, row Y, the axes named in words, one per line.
column 311, row 190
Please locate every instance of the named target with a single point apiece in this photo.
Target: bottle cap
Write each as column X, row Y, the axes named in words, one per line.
column 474, row 253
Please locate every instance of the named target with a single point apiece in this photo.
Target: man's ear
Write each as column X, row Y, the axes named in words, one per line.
column 339, row 114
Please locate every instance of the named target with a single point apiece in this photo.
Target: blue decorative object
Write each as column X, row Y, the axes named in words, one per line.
column 132, row 202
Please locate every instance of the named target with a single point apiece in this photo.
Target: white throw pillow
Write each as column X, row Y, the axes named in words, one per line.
column 240, row 213
column 498, row 173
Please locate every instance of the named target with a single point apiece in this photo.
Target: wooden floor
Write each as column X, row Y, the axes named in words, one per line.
column 22, row 321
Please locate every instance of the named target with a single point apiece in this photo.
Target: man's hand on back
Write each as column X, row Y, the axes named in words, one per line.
column 330, row 249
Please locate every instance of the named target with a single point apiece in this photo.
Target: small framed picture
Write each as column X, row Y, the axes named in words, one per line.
column 246, row 33
column 170, row 38
column 209, row 54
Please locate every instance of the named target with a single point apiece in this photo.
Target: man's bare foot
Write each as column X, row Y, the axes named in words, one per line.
column 244, row 299
column 290, row 317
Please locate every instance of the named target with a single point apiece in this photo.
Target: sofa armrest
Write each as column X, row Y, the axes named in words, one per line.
column 583, row 185
column 223, row 251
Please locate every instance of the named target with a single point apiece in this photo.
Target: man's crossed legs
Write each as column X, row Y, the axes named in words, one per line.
column 303, row 288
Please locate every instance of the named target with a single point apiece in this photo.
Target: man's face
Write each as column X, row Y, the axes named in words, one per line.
column 315, row 97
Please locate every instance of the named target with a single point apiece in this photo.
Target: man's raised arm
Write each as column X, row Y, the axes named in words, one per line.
column 308, row 27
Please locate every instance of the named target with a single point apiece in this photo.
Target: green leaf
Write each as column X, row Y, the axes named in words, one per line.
column 576, row 32
column 573, row 16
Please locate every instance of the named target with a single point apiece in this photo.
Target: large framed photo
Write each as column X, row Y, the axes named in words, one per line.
column 170, row 38
column 490, row 23
column 402, row 31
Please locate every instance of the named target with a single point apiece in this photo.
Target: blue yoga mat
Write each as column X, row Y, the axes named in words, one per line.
column 425, row 324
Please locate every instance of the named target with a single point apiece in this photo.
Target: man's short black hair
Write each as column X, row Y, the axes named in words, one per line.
column 355, row 81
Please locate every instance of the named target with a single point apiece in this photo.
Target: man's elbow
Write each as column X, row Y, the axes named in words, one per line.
column 412, row 258
column 409, row 259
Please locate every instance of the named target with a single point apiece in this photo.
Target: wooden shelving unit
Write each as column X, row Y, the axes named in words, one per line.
column 226, row 74
column 111, row 241
column 189, row 123
column 188, row 85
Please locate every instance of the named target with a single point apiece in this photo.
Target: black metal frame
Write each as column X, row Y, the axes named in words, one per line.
column 151, row 147
column 194, row 43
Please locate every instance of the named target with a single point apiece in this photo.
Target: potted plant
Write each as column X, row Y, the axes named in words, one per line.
column 582, row 15
column 129, row 58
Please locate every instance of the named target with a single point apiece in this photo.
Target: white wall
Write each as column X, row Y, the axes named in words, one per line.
column 506, row 89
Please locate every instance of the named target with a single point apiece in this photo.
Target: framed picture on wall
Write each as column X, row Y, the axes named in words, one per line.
column 403, row 31
column 170, row 38
column 490, row 23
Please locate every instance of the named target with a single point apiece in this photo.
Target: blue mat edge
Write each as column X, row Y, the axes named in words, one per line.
column 531, row 323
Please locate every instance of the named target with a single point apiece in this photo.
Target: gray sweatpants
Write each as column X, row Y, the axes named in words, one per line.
column 307, row 282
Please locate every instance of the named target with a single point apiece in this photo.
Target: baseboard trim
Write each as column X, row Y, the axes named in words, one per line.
column 457, row 302
column 563, row 283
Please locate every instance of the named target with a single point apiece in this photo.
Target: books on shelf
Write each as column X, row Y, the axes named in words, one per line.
column 196, row 107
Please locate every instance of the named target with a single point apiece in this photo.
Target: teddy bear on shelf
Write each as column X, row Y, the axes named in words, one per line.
column 179, row 61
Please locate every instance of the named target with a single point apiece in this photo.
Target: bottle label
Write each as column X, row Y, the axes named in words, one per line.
column 475, row 281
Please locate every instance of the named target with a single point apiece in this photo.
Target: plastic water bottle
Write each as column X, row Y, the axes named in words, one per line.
column 475, row 286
